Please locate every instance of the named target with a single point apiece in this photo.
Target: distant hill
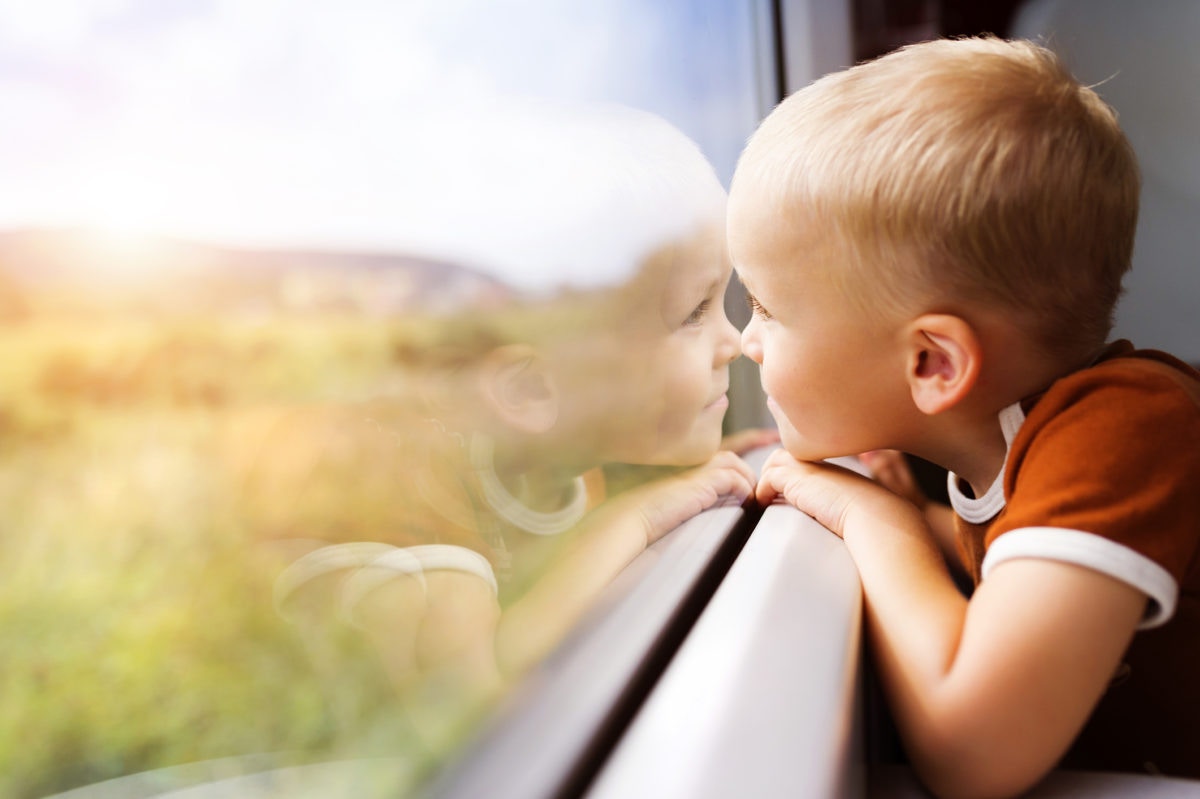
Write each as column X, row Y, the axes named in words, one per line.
column 80, row 271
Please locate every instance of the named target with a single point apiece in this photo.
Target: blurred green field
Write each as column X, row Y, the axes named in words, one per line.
column 138, row 625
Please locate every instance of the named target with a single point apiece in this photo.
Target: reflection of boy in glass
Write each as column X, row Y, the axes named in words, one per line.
column 934, row 243
column 499, row 537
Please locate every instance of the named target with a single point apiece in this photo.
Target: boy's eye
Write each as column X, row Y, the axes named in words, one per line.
column 697, row 316
column 756, row 306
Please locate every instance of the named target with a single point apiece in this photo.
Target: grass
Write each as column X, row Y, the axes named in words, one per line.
column 139, row 630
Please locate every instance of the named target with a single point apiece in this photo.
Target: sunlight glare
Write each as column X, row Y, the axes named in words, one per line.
column 120, row 205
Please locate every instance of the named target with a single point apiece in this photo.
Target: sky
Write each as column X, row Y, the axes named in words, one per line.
column 311, row 122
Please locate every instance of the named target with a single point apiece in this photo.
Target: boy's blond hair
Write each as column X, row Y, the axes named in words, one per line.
column 969, row 171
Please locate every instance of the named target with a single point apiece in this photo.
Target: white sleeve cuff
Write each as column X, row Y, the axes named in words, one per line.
column 1096, row 553
column 454, row 558
column 368, row 565
column 323, row 561
column 414, row 563
column 384, row 569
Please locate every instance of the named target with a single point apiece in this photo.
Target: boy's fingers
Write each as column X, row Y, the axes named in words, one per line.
column 737, row 482
column 769, row 488
column 765, row 493
column 780, row 457
column 728, row 460
column 774, row 477
column 724, row 475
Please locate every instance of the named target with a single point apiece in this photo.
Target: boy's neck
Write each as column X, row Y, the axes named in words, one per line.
column 968, row 440
column 974, row 449
column 539, row 484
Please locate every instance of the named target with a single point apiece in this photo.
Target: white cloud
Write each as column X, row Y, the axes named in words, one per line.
column 284, row 122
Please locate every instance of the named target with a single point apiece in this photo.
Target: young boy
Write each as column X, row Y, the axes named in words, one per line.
column 457, row 530
column 934, row 243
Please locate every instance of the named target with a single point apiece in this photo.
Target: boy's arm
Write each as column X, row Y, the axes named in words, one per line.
column 988, row 694
column 449, row 620
column 891, row 470
column 610, row 538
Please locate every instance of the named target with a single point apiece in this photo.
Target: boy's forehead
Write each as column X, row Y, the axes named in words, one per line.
column 702, row 264
column 756, row 239
column 742, row 194
column 751, row 214
column 680, row 276
column 782, row 254
column 753, row 283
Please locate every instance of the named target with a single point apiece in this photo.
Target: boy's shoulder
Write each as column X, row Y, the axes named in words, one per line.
column 1130, row 419
column 1110, row 450
column 1122, row 383
column 1121, row 357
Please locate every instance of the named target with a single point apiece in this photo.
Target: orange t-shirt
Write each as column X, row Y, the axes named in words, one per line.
column 1103, row 470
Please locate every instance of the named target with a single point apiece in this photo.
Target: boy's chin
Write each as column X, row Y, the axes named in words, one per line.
column 803, row 449
column 693, row 451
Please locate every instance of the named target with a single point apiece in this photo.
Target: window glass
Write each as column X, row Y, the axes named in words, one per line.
column 267, row 270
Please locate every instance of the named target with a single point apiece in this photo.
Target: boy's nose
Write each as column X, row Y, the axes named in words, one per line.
column 727, row 346
column 751, row 345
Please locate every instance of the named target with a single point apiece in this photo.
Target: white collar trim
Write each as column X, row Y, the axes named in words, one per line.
column 511, row 509
column 977, row 510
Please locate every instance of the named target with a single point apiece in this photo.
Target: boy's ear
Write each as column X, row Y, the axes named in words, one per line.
column 519, row 389
column 944, row 360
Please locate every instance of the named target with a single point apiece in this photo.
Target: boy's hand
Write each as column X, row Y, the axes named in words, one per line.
column 665, row 504
column 890, row 469
column 830, row 494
